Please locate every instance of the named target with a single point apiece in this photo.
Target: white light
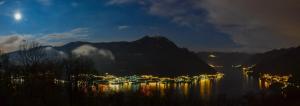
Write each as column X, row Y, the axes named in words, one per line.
column 18, row 16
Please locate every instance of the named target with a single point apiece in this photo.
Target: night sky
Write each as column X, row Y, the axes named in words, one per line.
column 200, row 25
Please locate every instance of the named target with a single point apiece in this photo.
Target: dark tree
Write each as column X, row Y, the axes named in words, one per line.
column 31, row 57
column 75, row 65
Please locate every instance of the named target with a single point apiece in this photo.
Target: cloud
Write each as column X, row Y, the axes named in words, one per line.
column 101, row 57
column 123, row 27
column 45, row 2
column 2, row 2
column 178, row 11
column 64, row 37
column 74, row 33
column 55, row 54
column 261, row 24
column 91, row 51
column 85, row 50
column 11, row 42
column 182, row 12
column 251, row 24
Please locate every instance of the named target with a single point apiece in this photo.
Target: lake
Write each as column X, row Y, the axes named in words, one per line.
column 234, row 85
column 228, row 90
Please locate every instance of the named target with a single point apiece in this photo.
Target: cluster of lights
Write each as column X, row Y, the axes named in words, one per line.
column 266, row 80
column 112, row 79
column 58, row 81
column 269, row 79
column 146, row 84
column 17, row 79
column 151, row 78
column 246, row 70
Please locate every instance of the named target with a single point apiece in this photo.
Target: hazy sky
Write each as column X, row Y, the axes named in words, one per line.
column 222, row 25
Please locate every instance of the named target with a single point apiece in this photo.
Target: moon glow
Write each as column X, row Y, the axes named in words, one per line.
column 18, row 16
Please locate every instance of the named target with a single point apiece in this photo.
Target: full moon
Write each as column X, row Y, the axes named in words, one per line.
column 18, row 16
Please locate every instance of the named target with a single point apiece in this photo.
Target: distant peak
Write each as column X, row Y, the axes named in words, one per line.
column 79, row 42
column 156, row 40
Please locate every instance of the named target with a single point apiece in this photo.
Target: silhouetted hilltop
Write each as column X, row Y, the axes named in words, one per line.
column 148, row 55
column 280, row 61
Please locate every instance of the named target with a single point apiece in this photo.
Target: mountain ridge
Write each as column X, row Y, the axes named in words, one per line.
column 148, row 55
column 279, row 61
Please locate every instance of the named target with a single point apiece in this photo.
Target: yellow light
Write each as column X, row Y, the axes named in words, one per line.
column 269, row 79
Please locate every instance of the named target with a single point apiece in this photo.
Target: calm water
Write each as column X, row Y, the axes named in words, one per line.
column 233, row 85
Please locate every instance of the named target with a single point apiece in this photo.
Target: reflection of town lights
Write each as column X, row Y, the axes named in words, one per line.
column 146, row 84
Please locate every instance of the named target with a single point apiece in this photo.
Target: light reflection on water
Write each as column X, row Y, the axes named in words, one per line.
column 234, row 83
column 202, row 88
column 263, row 84
column 205, row 87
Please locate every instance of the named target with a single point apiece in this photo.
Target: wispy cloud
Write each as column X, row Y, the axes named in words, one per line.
column 11, row 42
column 268, row 23
column 183, row 12
column 2, row 2
column 75, row 33
column 123, row 27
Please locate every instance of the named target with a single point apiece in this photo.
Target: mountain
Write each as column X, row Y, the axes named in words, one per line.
column 281, row 61
column 148, row 55
column 226, row 59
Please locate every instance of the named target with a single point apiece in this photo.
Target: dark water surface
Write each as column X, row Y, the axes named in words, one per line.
column 232, row 86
